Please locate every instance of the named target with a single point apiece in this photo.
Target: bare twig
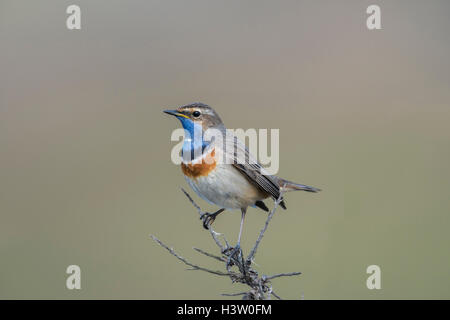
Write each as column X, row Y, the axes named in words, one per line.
column 213, row 233
column 194, row 267
column 282, row 275
column 263, row 230
column 221, row 259
column 234, row 294
column 275, row 295
column 260, row 286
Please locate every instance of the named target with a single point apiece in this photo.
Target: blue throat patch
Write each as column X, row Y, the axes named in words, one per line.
column 193, row 145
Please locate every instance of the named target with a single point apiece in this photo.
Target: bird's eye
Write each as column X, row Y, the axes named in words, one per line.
column 196, row 114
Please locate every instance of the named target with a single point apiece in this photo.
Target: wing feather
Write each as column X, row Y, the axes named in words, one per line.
column 250, row 167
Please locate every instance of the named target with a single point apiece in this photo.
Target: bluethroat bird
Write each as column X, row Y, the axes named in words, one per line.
column 235, row 183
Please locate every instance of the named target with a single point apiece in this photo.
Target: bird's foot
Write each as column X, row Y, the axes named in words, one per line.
column 208, row 218
column 236, row 252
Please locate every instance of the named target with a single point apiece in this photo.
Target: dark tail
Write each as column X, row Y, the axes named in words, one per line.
column 292, row 186
column 286, row 186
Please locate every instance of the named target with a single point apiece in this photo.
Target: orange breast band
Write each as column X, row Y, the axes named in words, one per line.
column 203, row 168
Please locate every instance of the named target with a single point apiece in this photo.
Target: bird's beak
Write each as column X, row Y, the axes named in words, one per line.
column 176, row 113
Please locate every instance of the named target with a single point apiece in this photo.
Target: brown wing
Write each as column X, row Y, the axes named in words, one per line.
column 248, row 165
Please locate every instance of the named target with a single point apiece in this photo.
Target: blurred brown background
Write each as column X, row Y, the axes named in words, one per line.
column 85, row 163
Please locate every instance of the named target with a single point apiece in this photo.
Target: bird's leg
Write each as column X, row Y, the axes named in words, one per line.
column 243, row 211
column 237, row 248
column 208, row 218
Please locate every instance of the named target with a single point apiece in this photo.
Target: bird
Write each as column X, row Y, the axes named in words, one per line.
column 238, row 183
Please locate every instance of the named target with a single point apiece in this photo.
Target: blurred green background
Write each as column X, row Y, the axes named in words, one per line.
column 86, row 174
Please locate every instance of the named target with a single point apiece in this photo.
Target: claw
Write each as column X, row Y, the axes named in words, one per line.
column 234, row 250
column 208, row 218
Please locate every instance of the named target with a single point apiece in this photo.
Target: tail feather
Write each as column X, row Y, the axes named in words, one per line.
column 292, row 186
column 261, row 205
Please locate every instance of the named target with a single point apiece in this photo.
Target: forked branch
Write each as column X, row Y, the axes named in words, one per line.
column 260, row 286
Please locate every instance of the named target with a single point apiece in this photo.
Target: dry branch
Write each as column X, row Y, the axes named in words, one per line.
column 260, row 286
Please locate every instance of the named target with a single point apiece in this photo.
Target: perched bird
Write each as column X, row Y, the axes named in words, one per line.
column 236, row 183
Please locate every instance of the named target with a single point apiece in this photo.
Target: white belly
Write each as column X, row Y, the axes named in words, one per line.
column 226, row 187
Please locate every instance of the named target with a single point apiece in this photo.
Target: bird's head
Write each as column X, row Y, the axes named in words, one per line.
column 197, row 114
